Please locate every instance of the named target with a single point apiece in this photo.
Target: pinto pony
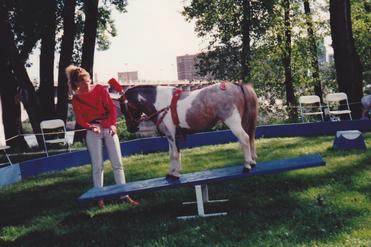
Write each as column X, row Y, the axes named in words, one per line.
column 181, row 112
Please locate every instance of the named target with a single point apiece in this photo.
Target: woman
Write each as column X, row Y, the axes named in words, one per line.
column 95, row 111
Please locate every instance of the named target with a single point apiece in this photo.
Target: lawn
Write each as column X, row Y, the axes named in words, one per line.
column 323, row 206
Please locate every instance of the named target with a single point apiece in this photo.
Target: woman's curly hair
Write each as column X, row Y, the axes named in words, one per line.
column 74, row 75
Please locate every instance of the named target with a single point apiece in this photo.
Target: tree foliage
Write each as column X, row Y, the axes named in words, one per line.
column 219, row 22
column 361, row 23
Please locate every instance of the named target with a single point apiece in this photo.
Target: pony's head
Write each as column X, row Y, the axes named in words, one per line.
column 132, row 112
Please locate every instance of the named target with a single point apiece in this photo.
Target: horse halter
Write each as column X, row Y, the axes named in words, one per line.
column 129, row 117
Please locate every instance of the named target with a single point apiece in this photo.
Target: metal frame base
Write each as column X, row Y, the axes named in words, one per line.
column 202, row 196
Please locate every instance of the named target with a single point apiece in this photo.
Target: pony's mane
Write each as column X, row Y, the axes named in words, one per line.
column 139, row 87
column 131, row 92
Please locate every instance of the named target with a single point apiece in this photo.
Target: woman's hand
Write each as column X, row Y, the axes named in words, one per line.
column 112, row 130
column 96, row 129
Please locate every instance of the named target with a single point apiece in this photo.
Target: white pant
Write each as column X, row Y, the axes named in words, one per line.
column 94, row 142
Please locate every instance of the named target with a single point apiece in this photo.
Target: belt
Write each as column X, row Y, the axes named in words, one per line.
column 97, row 121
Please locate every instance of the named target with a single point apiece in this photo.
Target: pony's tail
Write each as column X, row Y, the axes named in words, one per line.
column 250, row 116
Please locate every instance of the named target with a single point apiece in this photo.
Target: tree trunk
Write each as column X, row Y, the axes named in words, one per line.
column 27, row 48
column 88, row 48
column 46, row 91
column 69, row 31
column 11, row 109
column 90, row 35
column 10, row 52
column 286, row 61
column 245, row 31
column 313, row 50
column 347, row 62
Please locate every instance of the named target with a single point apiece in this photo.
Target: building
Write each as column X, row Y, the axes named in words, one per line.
column 127, row 76
column 186, row 67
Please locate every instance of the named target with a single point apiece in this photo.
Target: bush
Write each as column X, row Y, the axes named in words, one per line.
column 122, row 131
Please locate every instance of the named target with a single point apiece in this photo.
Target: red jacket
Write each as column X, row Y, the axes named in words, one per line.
column 94, row 105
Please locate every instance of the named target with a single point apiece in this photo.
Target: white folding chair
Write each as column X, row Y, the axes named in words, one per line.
column 333, row 101
column 4, row 148
column 310, row 105
column 51, row 138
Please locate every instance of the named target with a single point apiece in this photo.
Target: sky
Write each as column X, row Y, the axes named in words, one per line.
column 149, row 37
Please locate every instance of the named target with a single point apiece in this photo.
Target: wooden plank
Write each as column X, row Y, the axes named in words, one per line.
column 203, row 177
column 10, row 174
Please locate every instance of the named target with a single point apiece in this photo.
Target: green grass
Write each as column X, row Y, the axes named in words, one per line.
column 324, row 206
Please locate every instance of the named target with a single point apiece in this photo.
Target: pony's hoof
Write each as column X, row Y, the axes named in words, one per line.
column 253, row 165
column 246, row 169
column 171, row 177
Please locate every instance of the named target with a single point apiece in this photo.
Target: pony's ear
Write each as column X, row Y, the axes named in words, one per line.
column 115, row 84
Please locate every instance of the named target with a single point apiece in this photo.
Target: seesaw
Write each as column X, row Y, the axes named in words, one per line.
column 201, row 179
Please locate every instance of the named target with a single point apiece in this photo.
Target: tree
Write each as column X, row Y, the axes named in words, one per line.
column 245, row 40
column 313, row 50
column 47, row 50
column 69, row 31
column 11, row 109
column 347, row 62
column 361, row 23
column 286, row 59
column 90, row 34
column 11, row 55
column 28, row 22
column 231, row 26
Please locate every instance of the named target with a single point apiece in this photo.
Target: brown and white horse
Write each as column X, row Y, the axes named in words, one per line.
column 234, row 104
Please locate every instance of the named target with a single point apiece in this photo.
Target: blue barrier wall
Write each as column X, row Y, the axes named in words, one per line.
column 312, row 129
column 58, row 162
column 156, row 144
